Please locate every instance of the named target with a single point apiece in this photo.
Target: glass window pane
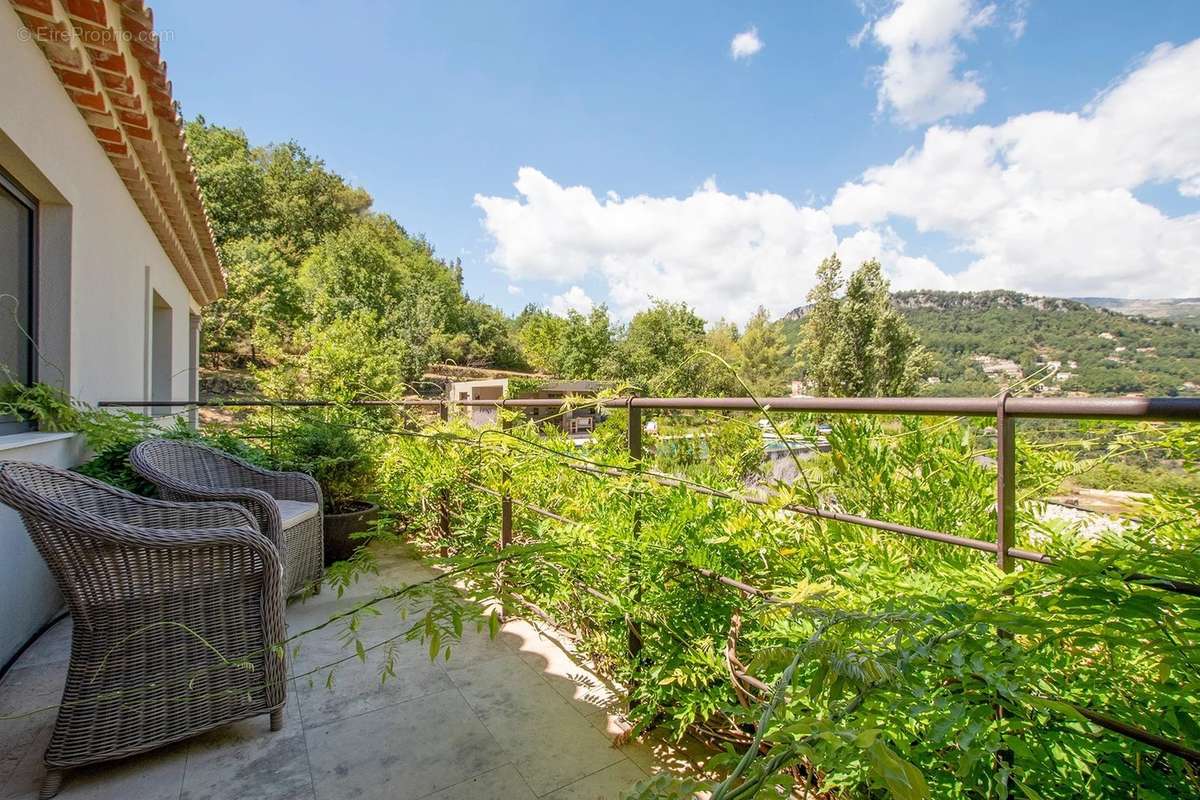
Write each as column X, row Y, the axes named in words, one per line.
column 15, row 275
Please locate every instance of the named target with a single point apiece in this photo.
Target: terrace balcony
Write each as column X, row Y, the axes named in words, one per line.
column 517, row 716
column 522, row 715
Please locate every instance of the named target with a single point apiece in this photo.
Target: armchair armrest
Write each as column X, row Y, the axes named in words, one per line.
column 145, row 512
column 259, row 504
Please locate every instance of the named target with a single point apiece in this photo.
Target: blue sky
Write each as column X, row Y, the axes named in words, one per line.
column 434, row 108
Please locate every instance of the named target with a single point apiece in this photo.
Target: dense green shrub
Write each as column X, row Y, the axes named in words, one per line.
column 332, row 454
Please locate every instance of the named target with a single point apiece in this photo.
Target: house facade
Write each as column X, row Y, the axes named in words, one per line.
column 106, row 254
column 577, row 421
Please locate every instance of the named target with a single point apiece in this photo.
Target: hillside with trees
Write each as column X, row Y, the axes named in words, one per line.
column 978, row 340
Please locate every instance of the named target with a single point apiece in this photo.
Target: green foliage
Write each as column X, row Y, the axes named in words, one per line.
column 523, row 387
column 478, row 335
column 47, row 407
column 540, row 335
column 856, row 344
column 263, row 306
column 304, row 200
column 377, row 294
column 110, row 459
column 661, row 353
column 575, row 347
column 373, row 264
column 231, row 176
column 763, row 356
column 352, row 358
column 51, row 409
column 884, row 652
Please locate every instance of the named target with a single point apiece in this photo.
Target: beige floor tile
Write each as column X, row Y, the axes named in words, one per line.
column 402, row 752
column 248, row 761
column 504, row 783
column 607, row 784
column 549, row 743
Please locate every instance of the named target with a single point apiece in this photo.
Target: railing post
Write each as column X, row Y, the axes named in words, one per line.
column 444, row 522
column 1006, row 484
column 635, row 454
column 444, row 498
column 506, row 508
column 635, row 432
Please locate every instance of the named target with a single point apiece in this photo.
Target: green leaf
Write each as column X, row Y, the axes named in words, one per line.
column 902, row 779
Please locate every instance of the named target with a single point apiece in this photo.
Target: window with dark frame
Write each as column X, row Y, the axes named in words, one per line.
column 18, row 291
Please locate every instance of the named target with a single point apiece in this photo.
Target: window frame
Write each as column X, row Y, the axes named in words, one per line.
column 10, row 186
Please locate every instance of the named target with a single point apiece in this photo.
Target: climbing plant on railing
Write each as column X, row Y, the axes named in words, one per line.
column 897, row 679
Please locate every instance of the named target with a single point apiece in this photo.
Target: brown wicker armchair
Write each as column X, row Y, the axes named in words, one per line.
column 177, row 608
column 287, row 505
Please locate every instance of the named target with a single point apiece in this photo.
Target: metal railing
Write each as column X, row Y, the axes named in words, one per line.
column 1005, row 410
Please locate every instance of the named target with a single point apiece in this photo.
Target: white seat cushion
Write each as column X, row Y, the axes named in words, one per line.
column 293, row 512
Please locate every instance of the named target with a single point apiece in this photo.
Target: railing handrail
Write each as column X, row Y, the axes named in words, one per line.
column 1184, row 409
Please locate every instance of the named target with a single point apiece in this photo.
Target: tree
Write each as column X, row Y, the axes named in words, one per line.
column 263, row 305
column 763, row 356
column 305, row 201
column 360, row 356
column 373, row 269
column 374, row 264
column 540, row 335
column 231, row 178
column 586, row 344
column 574, row 346
column 659, row 353
column 479, row 335
column 858, row 345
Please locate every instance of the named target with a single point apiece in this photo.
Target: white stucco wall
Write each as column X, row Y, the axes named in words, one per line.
column 114, row 253
column 27, row 591
column 115, row 265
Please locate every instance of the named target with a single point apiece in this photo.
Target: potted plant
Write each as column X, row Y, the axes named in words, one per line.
column 333, row 455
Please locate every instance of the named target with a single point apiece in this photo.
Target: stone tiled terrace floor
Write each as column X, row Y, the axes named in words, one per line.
column 514, row 717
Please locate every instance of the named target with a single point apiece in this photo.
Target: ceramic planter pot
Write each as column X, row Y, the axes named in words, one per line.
column 338, row 528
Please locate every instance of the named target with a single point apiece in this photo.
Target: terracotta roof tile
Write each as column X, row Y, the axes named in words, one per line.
column 106, row 55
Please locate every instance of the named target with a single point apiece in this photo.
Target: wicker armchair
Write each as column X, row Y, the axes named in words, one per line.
column 177, row 608
column 287, row 505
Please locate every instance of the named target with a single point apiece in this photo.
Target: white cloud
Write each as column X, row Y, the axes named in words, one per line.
column 745, row 44
column 574, row 299
column 1045, row 201
column 920, row 81
column 722, row 253
column 1019, row 18
column 515, row 290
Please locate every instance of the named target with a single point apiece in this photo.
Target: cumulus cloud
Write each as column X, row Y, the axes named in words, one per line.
column 574, row 299
column 723, row 254
column 1045, row 201
column 515, row 290
column 920, row 81
column 745, row 44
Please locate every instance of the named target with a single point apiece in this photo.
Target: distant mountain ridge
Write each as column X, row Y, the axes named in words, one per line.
column 1060, row 345
column 1179, row 309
